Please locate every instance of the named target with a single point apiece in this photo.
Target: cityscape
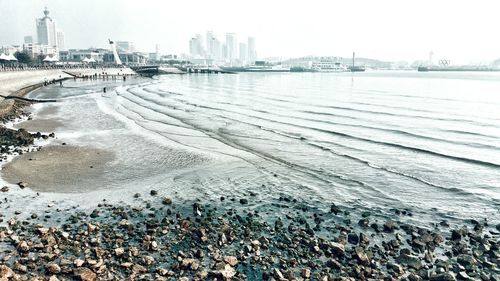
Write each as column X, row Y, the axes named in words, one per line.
column 249, row 140
column 228, row 50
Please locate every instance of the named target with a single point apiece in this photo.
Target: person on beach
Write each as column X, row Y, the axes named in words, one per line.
column 60, row 83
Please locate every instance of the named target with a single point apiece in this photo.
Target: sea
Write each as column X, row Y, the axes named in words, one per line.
column 428, row 143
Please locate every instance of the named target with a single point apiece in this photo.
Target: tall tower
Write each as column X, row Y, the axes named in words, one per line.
column 252, row 54
column 232, row 48
column 46, row 30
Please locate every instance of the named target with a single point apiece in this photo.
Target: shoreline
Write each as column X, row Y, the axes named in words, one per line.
column 158, row 237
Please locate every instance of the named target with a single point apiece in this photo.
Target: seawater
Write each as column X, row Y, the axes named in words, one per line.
column 426, row 142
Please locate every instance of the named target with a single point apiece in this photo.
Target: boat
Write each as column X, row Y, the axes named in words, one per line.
column 260, row 66
column 328, row 64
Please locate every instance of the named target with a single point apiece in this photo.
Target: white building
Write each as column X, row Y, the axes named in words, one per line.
column 28, row 39
column 46, row 30
column 60, row 40
column 252, row 53
column 243, row 52
column 196, row 47
column 125, row 46
column 231, row 47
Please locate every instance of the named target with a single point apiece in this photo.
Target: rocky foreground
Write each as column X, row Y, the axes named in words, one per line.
column 231, row 241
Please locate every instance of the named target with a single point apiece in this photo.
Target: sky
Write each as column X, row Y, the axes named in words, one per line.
column 456, row 30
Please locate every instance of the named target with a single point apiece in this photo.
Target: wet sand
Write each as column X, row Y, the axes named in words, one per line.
column 58, row 168
column 40, row 125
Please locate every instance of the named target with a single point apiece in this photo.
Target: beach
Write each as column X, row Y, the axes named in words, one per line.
column 101, row 193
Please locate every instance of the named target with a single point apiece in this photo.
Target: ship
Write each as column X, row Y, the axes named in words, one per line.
column 259, row 66
column 328, row 64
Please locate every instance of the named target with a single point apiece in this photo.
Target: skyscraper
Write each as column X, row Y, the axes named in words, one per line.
column 60, row 40
column 46, row 30
column 28, row 39
column 243, row 52
column 231, row 48
column 252, row 53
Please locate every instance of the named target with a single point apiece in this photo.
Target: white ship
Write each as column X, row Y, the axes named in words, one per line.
column 328, row 64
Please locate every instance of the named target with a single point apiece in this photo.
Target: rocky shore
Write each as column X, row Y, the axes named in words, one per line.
column 157, row 238
column 163, row 240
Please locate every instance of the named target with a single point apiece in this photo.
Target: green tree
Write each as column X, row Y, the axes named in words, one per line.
column 22, row 57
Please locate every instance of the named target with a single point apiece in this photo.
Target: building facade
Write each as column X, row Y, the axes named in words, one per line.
column 46, row 30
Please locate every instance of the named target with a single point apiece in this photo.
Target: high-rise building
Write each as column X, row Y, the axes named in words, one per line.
column 231, row 48
column 60, row 40
column 46, row 30
column 125, row 46
column 243, row 52
column 210, row 44
column 28, row 39
column 195, row 47
column 252, row 53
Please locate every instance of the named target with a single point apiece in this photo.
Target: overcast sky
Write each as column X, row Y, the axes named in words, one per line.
column 462, row 31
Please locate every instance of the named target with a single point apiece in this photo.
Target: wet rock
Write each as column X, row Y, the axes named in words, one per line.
column 138, row 269
column 153, row 192
column 443, row 277
column 227, row 272
column 352, row 238
column 167, row 201
column 362, row 256
column 22, row 185
column 243, row 201
column 4, row 189
column 277, row 274
column 466, row 260
column 410, row 261
column 337, row 248
column 119, row 251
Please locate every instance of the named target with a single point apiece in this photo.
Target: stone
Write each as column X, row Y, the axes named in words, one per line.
column 137, row 268
column 466, row 260
column 22, row 185
column 243, row 201
column 84, row 274
column 4, row 189
column 227, row 272
column 231, row 260
column 5, row 272
column 338, row 249
column 53, row 268
column 361, row 256
column 305, row 273
column 153, row 192
column 53, row 278
column 78, row 262
column 277, row 274
column 119, row 251
column 352, row 238
column 411, row 261
column 167, row 201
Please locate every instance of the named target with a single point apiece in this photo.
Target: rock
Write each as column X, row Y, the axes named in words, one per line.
column 4, row 189
column 390, row 226
column 456, row 235
column 361, row 256
column 243, row 201
column 137, row 195
column 305, row 273
column 277, row 274
column 53, row 268
column 5, row 272
column 153, row 192
column 410, row 261
column 443, row 277
column 84, row 274
column 149, row 260
column 22, row 185
column 192, row 264
column 119, row 251
column 78, row 262
column 138, row 269
column 466, row 260
column 23, row 247
column 338, row 249
column 161, row 271
column 353, row 238
column 167, row 201
column 231, row 260
column 334, row 209
column 53, row 278
column 227, row 272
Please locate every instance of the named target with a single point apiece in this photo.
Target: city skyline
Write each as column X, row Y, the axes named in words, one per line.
column 396, row 31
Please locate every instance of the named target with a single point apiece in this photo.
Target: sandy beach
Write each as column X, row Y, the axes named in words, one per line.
column 57, row 168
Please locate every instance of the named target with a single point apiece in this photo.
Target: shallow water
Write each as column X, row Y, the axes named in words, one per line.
column 422, row 141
